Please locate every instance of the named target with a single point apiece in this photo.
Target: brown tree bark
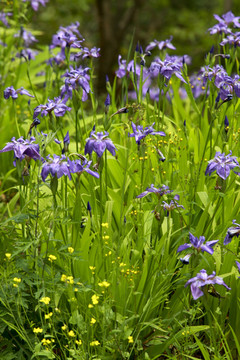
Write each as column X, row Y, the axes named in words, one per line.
column 115, row 19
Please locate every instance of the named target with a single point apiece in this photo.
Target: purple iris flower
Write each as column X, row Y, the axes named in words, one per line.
column 98, row 142
column 231, row 232
column 228, row 18
column 23, row 148
column 159, row 192
column 217, row 72
column 124, row 68
column 87, row 53
column 220, row 28
column 58, row 59
column 76, row 166
column 11, row 92
column 222, row 165
column 57, row 105
column 27, row 54
column 139, row 133
column 67, row 36
column 198, row 282
column 70, row 40
column 61, row 165
column 232, row 39
column 27, row 37
column 121, row 72
column 74, row 79
column 167, row 67
column 161, row 45
column 198, row 244
column 3, row 17
column 57, row 166
column 172, row 205
column 35, row 3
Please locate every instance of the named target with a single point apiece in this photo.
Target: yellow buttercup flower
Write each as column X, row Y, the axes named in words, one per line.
column 130, row 339
column 93, row 321
column 52, row 258
column 104, row 284
column 78, row 342
column 47, row 316
column 46, row 342
column 70, row 249
column 71, row 333
column 94, row 343
column 64, row 277
column 37, row 330
column 8, row 256
column 70, row 280
column 45, row 300
column 17, row 280
column 64, row 327
column 105, row 225
column 95, row 299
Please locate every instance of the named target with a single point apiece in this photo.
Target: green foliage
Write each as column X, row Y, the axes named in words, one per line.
column 107, row 282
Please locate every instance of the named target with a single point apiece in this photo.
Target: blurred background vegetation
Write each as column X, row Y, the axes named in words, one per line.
column 111, row 25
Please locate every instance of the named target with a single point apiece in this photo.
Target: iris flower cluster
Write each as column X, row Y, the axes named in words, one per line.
column 11, row 92
column 58, row 106
column 62, row 165
column 223, row 23
column 76, row 79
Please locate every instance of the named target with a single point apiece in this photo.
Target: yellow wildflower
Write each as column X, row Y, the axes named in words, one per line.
column 70, row 280
column 46, row 342
column 94, row 343
column 71, row 333
column 90, row 306
column 52, row 258
column 63, row 277
column 130, row 339
column 93, row 321
column 45, row 300
column 78, row 342
column 17, row 280
column 105, row 225
column 64, row 327
column 95, row 299
column 70, row 249
column 104, row 284
column 8, row 256
column 37, row 330
column 47, row 316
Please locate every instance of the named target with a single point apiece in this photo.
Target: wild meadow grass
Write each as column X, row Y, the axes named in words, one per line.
column 117, row 233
